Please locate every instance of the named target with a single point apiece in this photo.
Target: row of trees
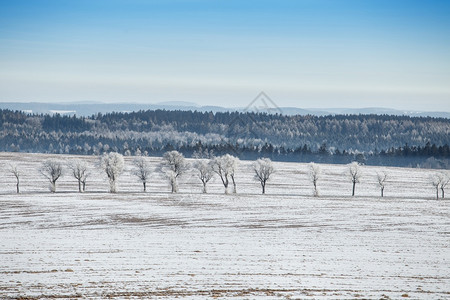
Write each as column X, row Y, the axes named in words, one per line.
column 174, row 165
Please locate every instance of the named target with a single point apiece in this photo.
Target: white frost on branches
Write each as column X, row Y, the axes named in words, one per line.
column 79, row 170
column 225, row 166
column 263, row 168
column 142, row 170
column 205, row 171
column 174, row 165
column 381, row 179
column 439, row 182
column 112, row 163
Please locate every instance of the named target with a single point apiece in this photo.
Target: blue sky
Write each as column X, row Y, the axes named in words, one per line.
column 305, row 53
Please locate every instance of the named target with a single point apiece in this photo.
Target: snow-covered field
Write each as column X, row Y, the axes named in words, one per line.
column 284, row 244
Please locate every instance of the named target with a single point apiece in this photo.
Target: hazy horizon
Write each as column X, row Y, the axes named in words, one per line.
column 243, row 106
column 306, row 54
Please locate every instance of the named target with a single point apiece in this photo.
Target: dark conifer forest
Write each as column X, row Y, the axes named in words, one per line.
column 370, row 139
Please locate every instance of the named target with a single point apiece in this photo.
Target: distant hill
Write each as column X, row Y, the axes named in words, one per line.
column 92, row 108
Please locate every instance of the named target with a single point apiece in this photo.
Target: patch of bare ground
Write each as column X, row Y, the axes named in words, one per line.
column 153, row 221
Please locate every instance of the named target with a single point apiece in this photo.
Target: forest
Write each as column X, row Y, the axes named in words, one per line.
column 369, row 139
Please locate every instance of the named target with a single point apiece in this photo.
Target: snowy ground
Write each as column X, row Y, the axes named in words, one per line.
column 284, row 244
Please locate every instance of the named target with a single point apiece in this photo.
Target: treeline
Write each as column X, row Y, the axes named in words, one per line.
column 370, row 139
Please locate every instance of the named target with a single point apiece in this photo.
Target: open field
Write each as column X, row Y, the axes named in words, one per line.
column 285, row 244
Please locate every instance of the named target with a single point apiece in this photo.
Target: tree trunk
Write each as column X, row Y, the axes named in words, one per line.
column 53, row 186
column 17, row 186
column 263, row 187
column 437, row 193
column 173, row 183
column 225, row 183
column 234, row 184
column 145, row 187
column 443, row 193
column 112, row 186
column 84, row 186
column 79, row 185
column 382, row 191
column 353, row 191
column 204, row 187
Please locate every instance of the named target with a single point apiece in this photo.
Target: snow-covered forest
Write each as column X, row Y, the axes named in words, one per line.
column 369, row 139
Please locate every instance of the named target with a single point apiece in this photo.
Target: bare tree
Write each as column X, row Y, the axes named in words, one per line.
column 112, row 163
column 435, row 180
column 354, row 171
column 79, row 170
column 142, row 170
column 225, row 166
column 205, row 171
column 381, row 177
column 15, row 171
column 263, row 168
column 52, row 170
column 314, row 176
column 174, row 165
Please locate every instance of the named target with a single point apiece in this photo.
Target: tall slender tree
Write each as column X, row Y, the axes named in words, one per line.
column 381, row 178
column 354, row 170
column 314, row 176
column 15, row 171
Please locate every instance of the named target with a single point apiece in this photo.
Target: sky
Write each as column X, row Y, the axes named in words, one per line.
column 304, row 53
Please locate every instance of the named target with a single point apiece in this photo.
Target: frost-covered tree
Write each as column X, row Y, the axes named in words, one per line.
column 15, row 171
column 381, row 178
column 314, row 176
column 225, row 166
column 205, row 171
column 354, row 171
column 440, row 182
column 112, row 163
column 436, row 181
column 200, row 153
column 174, row 165
column 79, row 170
column 52, row 170
column 142, row 170
column 263, row 168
